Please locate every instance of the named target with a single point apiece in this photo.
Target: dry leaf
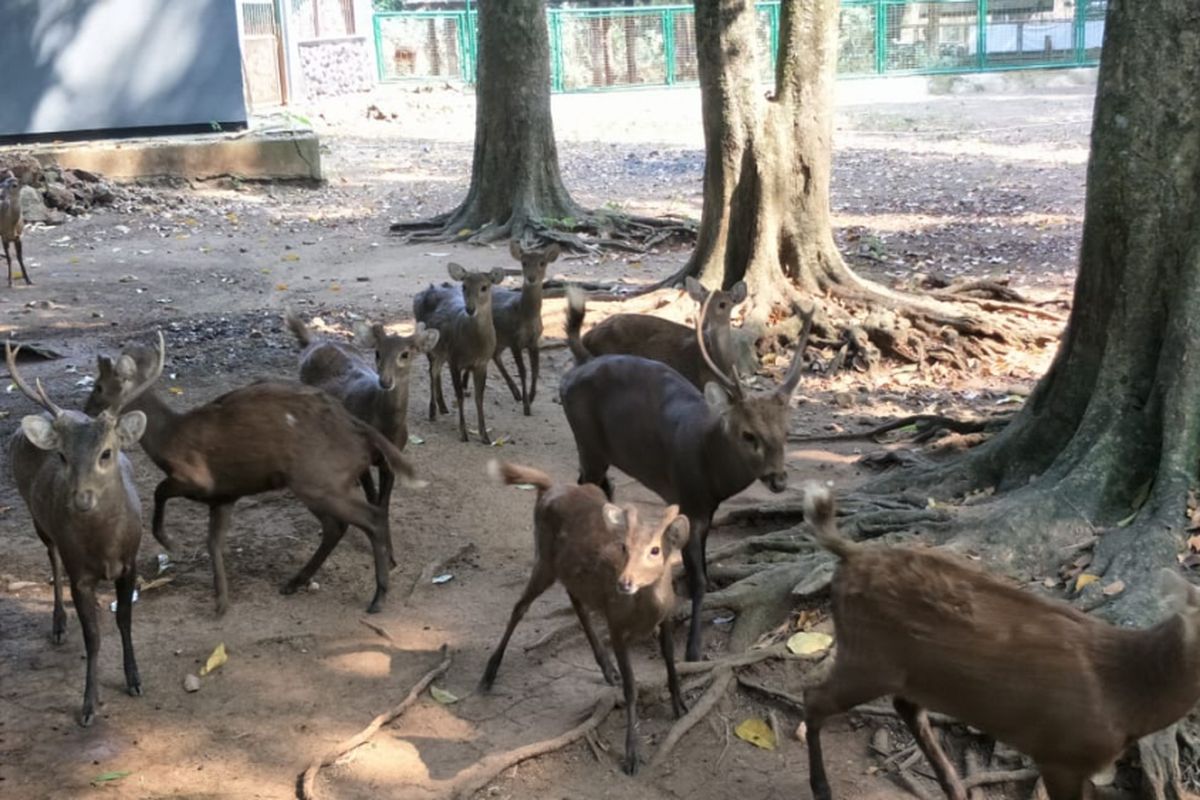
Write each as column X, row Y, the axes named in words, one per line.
column 218, row 657
column 756, row 732
column 1116, row 587
column 442, row 696
column 175, row 390
column 291, row 257
column 1084, row 579
column 809, row 642
column 1194, row 544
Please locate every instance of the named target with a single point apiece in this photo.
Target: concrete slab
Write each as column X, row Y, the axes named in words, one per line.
column 257, row 154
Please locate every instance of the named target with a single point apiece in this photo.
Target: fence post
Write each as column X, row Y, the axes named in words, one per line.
column 668, row 23
column 881, row 16
column 378, row 46
column 554, row 23
column 1081, row 10
column 981, row 35
column 774, row 37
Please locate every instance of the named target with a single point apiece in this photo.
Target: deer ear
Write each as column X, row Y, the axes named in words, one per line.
column 614, row 516
column 496, row 275
column 552, row 253
column 717, row 398
column 40, row 432
column 738, row 293
column 515, row 250
column 1178, row 591
column 695, row 289
column 365, row 334
column 130, row 428
column 677, row 532
column 126, row 368
column 104, row 366
column 427, row 339
column 456, row 271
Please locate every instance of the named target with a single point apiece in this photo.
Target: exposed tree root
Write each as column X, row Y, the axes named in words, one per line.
column 924, row 427
column 979, row 779
column 306, row 788
column 722, row 678
column 579, row 231
column 786, row 699
column 483, row 772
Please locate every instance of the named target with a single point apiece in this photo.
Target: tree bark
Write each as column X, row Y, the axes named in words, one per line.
column 515, row 178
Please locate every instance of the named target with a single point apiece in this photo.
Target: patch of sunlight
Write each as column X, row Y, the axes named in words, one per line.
column 909, row 223
column 365, row 664
column 822, row 456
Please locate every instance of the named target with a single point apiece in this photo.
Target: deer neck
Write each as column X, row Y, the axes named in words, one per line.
column 719, row 344
column 1160, row 673
column 530, row 303
column 161, row 421
column 727, row 472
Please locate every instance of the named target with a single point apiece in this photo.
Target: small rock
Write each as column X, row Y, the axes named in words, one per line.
column 843, row 399
column 191, row 683
column 127, row 279
column 60, row 197
column 33, row 208
column 881, row 741
column 313, row 586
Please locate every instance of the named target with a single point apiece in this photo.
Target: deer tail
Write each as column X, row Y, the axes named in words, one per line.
column 298, row 328
column 506, row 474
column 397, row 463
column 820, row 511
column 576, row 308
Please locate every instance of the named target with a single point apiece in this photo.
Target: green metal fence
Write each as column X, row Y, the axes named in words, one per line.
column 624, row 47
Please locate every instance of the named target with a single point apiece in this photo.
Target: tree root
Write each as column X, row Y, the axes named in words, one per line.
column 470, row 780
column 789, row 540
column 1159, row 757
column 306, row 788
column 924, row 427
column 980, row 779
column 762, row 599
column 722, row 678
column 788, row 700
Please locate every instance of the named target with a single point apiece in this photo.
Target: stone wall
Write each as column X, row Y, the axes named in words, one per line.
column 336, row 66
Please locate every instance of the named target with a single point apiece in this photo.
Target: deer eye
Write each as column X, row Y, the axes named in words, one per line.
column 404, row 356
column 721, row 306
column 106, row 455
column 62, row 458
column 655, row 551
column 484, row 290
column 750, row 439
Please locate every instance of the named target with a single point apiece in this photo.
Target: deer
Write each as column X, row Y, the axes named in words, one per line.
column 12, row 224
column 690, row 448
column 938, row 633
column 78, row 485
column 610, row 562
column 377, row 395
column 669, row 342
column 518, row 320
column 262, row 437
column 466, row 341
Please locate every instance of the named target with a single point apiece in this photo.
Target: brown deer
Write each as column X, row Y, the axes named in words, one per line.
column 378, row 395
column 690, row 448
column 940, row 634
column 610, row 562
column 467, row 338
column 671, row 343
column 518, row 320
column 265, row 436
column 12, row 224
column 79, row 488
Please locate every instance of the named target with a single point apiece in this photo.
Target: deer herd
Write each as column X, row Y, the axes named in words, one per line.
column 664, row 403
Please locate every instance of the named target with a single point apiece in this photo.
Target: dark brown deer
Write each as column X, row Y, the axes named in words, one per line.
column 265, row 436
column 12, row 224
column 671, row 343
column 467, row 338
column 940, row 634
column 518, row 320
column 378, row 395
column 79, row 488
column 689, row 448
column 609, row 562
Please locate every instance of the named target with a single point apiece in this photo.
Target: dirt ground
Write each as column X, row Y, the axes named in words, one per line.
column 978, row 183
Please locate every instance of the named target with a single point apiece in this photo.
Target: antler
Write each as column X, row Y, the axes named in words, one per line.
column 148, row 382
column 732, row 385
column 793, row 374
column 39, row 396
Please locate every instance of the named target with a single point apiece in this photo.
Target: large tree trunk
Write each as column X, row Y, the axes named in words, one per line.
column 515, row 179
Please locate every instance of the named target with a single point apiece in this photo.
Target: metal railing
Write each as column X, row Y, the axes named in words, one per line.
column 625, row 47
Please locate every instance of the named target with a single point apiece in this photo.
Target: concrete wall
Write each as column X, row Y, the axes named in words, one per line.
column 95, row 65
column 336, row 66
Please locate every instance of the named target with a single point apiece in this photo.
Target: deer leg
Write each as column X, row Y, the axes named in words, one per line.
column 387, row 481
column 435, row 380
column 693, row 564
column 332, row 531
column 218, row 527
column 918, row 723
column 83, row 594
column 368, row 487
column 535, row 357
column 666, row 644
column 21, row 261
column 167, row 488
column 606, row 667
column 516, row 351
column 58, row 624
column 1064, row 784
column 620, row 647
column 845, row 688
column 480, row 381
column 594, row 469
column 512, row 386
column 541, row 580
column 456, row 381
column 336, row 512
column 124, row 584
column 8, row 258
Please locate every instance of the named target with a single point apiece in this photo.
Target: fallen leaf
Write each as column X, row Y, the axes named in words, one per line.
column 109, row 777
column 442, row 696
column 175, row 390
column 291, row 257
column 756, row 732
column 445, row 577
column 1124, row 523
column 157, row 583
column 1116, row 587
column 335, row 288
column 1084, row 579
column 281, row 287
column 218, row 657
column 809, row 642
column 529, row 487
column 414, row 439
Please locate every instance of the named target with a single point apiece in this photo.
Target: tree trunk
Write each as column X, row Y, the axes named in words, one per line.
column 631, row 40
column 515, row 179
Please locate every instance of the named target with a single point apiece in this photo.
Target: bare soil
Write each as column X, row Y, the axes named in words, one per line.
column 986, row 184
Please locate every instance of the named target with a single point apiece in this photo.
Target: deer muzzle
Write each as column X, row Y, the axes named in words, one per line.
column 625, row 585
column 84, row 500
column 775, row 481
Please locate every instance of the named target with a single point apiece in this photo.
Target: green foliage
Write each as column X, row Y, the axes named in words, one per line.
column 389, row 5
